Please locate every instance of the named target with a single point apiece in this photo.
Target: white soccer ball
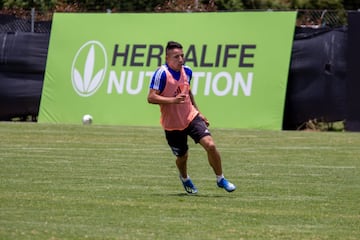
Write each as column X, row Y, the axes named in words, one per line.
column 87, row 119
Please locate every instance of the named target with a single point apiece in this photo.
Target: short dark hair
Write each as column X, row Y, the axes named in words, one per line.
column 171, row 45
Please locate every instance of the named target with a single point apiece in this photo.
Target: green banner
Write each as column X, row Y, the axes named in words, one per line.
column 101, row 64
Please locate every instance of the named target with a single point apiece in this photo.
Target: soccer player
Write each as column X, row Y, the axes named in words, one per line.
column 180, row 117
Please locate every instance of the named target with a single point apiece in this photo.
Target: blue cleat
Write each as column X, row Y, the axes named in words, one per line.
column 189, row 186
column 225, row 184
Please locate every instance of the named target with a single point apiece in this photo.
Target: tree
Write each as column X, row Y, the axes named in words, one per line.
column 43, row 5
column 120, row 6
column 351, row 4
column 232, row 5
column 293, row 4
column 176, row 5
column 187, row 6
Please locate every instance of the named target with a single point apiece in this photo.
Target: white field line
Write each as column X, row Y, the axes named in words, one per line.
column 307, row 166
column 120, row 148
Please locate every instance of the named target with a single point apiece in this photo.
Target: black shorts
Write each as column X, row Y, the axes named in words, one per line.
column 177, row 139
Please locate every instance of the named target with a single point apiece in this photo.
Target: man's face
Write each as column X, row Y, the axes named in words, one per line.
column 175, row 58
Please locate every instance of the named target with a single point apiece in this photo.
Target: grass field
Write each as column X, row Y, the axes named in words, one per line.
column 113, row 182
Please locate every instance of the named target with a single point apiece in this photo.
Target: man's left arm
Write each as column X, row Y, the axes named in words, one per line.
column 194, row 104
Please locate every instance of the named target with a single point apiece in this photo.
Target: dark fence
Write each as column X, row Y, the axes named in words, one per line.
column 22, row 67
column 9, row 23
column 317, row 77
column 353, row 72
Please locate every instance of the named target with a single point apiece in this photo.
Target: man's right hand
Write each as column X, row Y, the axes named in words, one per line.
column 180, row 98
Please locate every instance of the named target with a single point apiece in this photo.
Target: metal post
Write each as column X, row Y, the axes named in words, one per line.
column 32, row 19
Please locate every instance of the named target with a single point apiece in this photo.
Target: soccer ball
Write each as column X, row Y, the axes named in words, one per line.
column 87, row 119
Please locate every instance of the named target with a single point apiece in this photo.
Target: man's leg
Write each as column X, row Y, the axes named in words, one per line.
column 214, row 157
column 181, row 163
column 177, row 141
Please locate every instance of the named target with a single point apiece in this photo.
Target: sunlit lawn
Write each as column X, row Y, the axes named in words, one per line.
column 115, row 182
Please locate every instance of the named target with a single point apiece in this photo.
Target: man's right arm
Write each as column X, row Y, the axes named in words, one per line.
column 157, row 84
column 154, row 97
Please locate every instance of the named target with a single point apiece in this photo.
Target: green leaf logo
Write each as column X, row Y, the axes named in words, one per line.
column 88, row 68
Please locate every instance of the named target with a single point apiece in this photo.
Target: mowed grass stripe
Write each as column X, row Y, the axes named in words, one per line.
column 114, row 182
